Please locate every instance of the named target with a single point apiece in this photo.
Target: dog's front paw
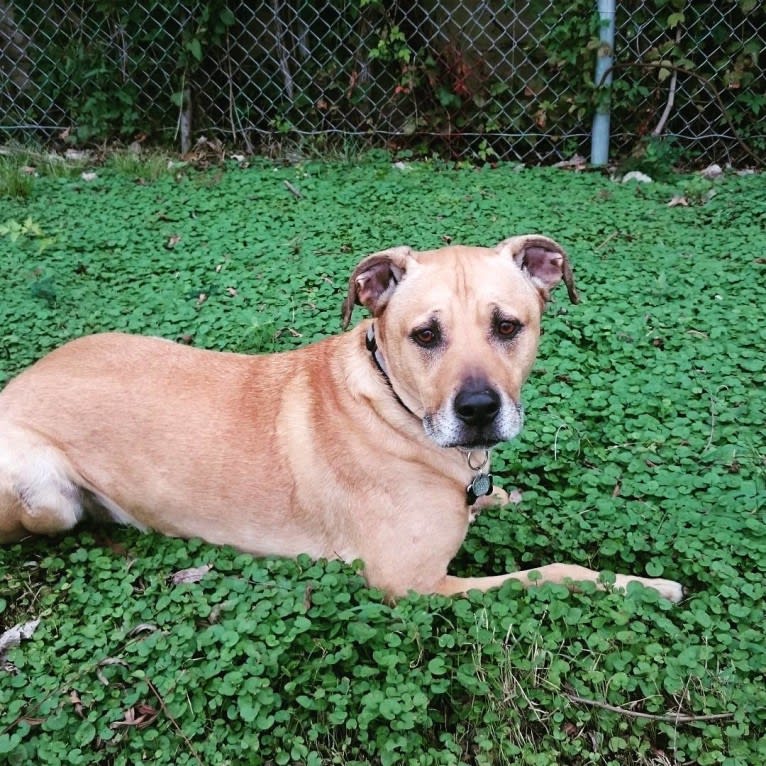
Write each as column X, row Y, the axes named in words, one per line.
column 495, row 499
column 669, row 589
column 498, row 497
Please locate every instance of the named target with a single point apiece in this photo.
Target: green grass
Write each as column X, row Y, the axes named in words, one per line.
column 141, row 165
column 20, row 166
column 16, row 180
column 643, row 451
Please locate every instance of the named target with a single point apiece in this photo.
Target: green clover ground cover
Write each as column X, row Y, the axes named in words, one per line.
column 643, row 452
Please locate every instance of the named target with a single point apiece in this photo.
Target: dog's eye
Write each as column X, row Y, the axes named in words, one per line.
column 507, row 328
column 427, row 337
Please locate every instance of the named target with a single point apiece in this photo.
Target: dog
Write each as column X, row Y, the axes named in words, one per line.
column 370, row 445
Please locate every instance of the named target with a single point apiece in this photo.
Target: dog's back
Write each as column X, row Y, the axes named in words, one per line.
column 133, row 396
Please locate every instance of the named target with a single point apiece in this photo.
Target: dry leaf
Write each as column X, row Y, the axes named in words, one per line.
column 144, row 627
column 638, row 176
column 109, row 661
column 15, row 635
column 680, row 201
column 77, row 155
column 205, row 152
column 140, row 716
column 712, row 171
column 74, row 698
column 578, row 162
column 215, row 612
column 195, row 574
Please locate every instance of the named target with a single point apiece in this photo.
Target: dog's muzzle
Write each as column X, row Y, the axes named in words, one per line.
column 478, row 417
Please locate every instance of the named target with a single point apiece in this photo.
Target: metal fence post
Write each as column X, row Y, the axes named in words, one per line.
column 599, row 153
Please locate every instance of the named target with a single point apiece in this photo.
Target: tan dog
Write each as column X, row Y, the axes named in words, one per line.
column 369, row 445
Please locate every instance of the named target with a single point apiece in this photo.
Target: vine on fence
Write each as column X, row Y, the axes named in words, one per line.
column 406, row 74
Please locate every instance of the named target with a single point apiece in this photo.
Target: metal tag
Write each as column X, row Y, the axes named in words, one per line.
column 481, row 485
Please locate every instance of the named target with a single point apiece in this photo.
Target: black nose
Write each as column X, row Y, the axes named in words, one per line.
column 477, row 407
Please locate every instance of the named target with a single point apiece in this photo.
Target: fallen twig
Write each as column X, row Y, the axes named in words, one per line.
column 293, row 190
column 667, row 717
column 173, row 722
column 608, row 240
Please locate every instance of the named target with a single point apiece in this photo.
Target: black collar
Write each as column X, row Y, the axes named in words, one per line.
column 372, row 347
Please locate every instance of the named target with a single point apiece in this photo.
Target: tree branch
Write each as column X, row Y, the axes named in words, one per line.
column 658, row 131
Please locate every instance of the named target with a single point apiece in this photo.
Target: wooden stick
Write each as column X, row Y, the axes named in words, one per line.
column 669, row 718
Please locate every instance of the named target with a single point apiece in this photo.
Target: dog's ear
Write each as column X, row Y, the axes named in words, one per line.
column 374, row 281
column 543, row 260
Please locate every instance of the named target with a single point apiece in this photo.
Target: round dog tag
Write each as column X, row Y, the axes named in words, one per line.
column 481, row 485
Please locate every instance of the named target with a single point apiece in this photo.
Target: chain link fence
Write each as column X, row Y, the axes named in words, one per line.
column 476, row 78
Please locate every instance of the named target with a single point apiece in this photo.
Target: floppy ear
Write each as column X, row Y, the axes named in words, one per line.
column 543, row 260
column 374, row 280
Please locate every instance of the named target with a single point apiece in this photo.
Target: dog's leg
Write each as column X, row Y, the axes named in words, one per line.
column 564, row 574
column 37, row 495
column 11, row 528
column 496, row 499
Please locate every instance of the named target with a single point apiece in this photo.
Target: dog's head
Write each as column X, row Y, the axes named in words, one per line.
column 458, row 330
